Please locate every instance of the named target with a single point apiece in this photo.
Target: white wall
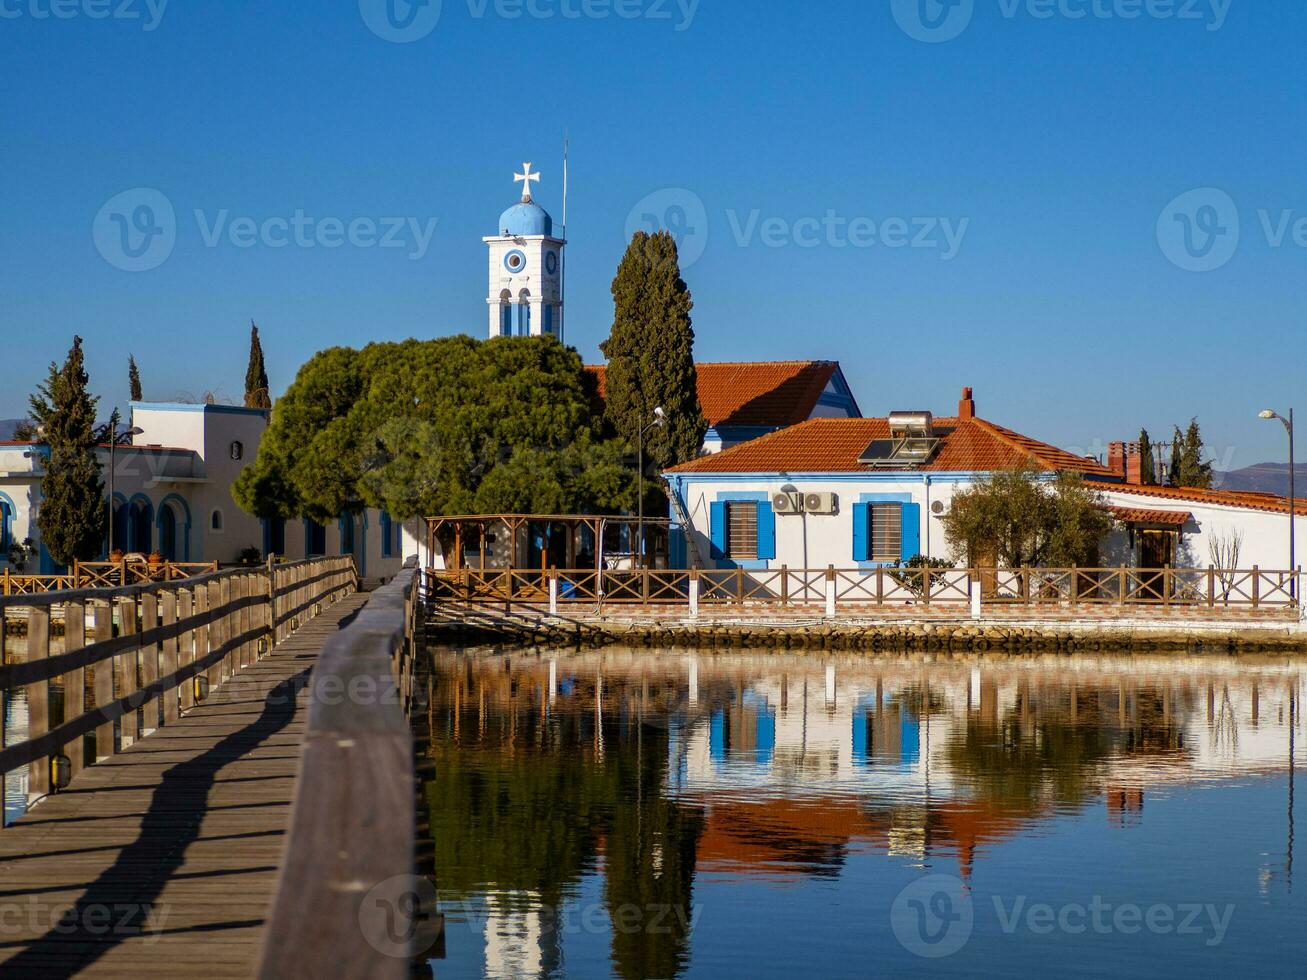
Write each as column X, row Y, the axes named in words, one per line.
column 830, row 538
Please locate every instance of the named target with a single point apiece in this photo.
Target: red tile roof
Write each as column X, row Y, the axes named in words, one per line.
column 834, row 446
column 1138, row 515
column 762, row 393
column 1222, row 498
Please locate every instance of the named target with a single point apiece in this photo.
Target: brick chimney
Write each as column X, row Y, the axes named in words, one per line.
column 967, row 406
column 1123, row 459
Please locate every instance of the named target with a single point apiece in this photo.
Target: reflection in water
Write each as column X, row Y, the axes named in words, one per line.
column 651, row 815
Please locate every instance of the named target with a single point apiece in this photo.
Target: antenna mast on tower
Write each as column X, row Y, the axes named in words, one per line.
column 562, row 272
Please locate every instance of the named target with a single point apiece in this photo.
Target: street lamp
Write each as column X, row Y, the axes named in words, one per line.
column 115, row 439
column 1293, row 555
column 659, row 420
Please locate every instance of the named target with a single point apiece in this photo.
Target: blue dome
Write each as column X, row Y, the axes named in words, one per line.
column 527, row 218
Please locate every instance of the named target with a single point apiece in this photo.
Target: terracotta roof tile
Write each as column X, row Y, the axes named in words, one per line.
column 834, row 445
column 761, row 393
column 1221, row 498
column 1138, row 515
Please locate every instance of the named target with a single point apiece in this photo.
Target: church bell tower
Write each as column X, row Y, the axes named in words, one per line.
column 525, row 298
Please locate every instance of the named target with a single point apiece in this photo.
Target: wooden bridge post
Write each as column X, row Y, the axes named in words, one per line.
column 244, row 622
column 204, row 597
column 218, row 592
column 38, row 699
column 102, row 630
column 149, row 660
column 1257, row 587
column 124, row 666
column 270, row 590
column 74, row 681
column 189, row 605
column 168, row 652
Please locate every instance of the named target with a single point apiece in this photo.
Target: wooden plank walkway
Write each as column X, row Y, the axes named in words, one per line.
column 162, row 860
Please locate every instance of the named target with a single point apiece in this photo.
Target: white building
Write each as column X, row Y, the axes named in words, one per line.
column 171, row 492
column 874, row 491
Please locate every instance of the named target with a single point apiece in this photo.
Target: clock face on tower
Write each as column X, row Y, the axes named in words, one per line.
column 515, row 261
column 551, row 263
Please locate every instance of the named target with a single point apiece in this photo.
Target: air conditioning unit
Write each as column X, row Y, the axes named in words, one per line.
column 787, row 503
column 821, row 503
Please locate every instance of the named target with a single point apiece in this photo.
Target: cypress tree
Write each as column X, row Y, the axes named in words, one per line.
column 256, row 377
column 73, row 517
column 1194, row 471
column 650, row 353
column 134, row 379
column 1147, row 464
column 1177, row 449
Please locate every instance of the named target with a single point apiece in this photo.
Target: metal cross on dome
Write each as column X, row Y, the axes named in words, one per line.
column 525, row 178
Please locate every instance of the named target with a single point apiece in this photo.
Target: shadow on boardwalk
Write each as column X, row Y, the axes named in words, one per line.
column 122, row 903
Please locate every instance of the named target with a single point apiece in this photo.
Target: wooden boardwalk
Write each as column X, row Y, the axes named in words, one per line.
column 162, row 860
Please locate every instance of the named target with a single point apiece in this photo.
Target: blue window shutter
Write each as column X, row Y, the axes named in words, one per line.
column 861, row 532
column 718, row 530
column 766, row 531
column 911, row 541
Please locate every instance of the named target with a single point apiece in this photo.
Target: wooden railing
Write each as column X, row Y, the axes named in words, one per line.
column 154, row 651
column 103, row 575
column 348, row 902
column 1194, row 588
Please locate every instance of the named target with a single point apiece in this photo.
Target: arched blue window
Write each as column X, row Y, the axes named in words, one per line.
column 548, row 315
column 121, row 526
column 141, row 517
column 347, row 534
column 6, row 528
column 167, row 533
column 387, row 538
column 274, row 537
column 315, row 539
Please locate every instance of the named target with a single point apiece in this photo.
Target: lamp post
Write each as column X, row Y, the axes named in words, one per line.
column 1293, row 554
column 114, row 437
column 659, row 420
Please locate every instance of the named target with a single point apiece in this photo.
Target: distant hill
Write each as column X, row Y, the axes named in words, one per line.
column 7, row 427
column 1263, row 478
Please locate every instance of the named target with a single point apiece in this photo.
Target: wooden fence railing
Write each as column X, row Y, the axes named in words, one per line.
column 103, row 575
column 1209, row 588
column 153, row 652
column 348, row 902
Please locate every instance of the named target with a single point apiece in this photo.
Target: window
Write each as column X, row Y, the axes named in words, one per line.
column 387, row 539
column 886, row 522
column 237, row 450
column 5, row 533
column 315, row 539
column 742, row 531
column 215, row 521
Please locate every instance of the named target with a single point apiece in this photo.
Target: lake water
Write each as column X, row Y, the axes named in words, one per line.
column 678, row 814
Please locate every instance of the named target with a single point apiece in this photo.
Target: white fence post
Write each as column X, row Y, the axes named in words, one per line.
column 830, row 593
column 694, row 596
column 975, row 599
column 553, row 595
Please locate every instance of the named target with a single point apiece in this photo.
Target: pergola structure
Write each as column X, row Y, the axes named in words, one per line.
column 544, row 541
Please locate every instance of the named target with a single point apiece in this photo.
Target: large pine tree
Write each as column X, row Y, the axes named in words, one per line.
column 73, row 515
column 651, row 353
column 256, row 376
column 134, row 379
column 1147, row 464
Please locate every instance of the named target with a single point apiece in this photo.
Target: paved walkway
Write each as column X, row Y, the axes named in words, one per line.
column 162, row 860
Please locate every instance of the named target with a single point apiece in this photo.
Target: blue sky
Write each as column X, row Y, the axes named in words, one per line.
column 1032, row 158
